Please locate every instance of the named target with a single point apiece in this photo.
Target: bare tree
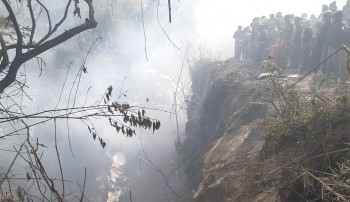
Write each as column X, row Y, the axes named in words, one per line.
column 35, row 45
column 21, row 43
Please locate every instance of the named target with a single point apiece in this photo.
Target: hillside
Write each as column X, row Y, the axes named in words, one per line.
column 251, row 138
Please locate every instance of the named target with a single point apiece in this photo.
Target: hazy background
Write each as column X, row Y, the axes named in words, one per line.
column 217, row 20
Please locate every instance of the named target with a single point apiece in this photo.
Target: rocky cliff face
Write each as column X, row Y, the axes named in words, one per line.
column 306, row 155
column 224, row 130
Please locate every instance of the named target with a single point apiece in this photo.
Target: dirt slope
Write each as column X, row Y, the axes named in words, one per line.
column 225, row 134
column 224, row 127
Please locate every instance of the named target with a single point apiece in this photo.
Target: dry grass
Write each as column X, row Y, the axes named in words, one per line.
column 313, row 136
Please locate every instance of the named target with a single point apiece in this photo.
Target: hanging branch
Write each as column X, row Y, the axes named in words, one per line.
column 59, row 159
column 83, row 192
column 144, row 31
column 33, row 21
column 160, row 25
column 169, row 7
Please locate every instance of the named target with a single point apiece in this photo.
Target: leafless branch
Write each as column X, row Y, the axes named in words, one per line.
column 169, row 8
column 144, row 31
column 59, row 160
column 160, row 25
column 33, row 21
column 158, row 170
column 57, row 25
column 47, row 14
column 12, row 163
column 82, row 193
column 44, row 44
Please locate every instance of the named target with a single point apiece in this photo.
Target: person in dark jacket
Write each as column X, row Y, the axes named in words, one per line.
column 263, row 45
column 239, row 37
column 255, row 37
column 286, row 42
column 296, row 48
column 306, row 50
column 333, row 6
column 336, row 64
column 320, row 51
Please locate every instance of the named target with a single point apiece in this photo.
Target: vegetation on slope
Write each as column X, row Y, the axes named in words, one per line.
column 310, row 138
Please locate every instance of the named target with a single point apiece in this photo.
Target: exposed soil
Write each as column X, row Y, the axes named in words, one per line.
column 225, row 132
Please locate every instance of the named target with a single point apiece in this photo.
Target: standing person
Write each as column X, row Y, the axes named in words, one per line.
column 333, row 6
column 296, row 48
column 286, row 41
column 336, row 64
column 263, row 45
column 346, row 12
column 313, row 23
column 273, row 33
column 320, row 51
column 273, row 41
column 306, row 50
column 324, row 9
column 279, row 20
column 247, row 44
column 272, row 17
column 255, row 37
column 304, row 16
column 307, row 23
column 239, row 37
column 291, row 16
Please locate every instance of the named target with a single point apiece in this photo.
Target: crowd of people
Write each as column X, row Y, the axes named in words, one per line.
column 298, row 42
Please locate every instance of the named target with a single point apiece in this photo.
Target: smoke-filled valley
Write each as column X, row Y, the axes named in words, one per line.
column 144, row 101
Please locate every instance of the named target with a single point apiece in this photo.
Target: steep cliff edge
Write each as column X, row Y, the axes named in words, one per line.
column 224, row 126
column 225, row 153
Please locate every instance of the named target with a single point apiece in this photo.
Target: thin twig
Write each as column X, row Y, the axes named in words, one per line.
column 33, row 21
column 64, row 83
column 12, row 163
column 82, row 193
column 175, row 96
column 160, row 25
column 144, row 31
column 157, row 169
column 130, row 196
column 58, row 158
